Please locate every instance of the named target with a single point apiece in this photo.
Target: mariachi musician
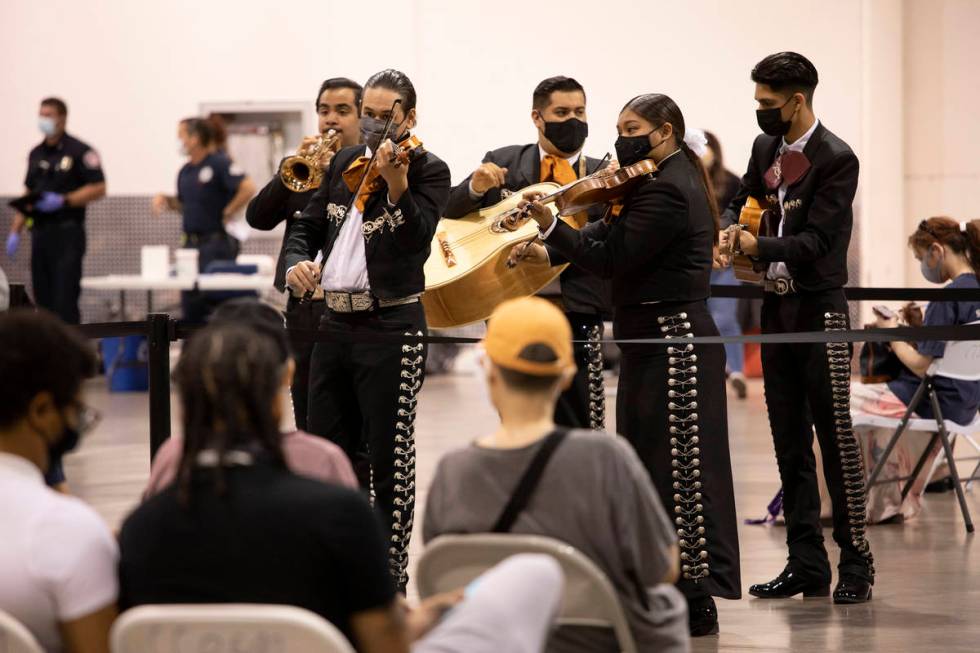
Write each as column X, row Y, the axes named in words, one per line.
column 671, row 403
column 558, row 112
column 372, row 221
column 285, row 197
column 808, row 177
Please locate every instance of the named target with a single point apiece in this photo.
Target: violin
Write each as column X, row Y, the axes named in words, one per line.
column 603, row 186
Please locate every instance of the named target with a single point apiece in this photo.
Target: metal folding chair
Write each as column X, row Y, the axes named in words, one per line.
column 961, row 361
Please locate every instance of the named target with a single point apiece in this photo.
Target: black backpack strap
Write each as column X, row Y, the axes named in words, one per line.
column 529, row 482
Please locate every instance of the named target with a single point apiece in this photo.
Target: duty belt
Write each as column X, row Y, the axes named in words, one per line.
column 780, row 286
column 196, row 238
column 361, row 302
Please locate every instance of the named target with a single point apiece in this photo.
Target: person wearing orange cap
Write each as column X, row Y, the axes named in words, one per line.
column 586, row 488
column 671, row 404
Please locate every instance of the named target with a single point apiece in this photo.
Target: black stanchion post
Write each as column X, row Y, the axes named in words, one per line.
column 158, row 325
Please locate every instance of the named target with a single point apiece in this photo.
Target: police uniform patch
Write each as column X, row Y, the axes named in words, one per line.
column 66, row 163
column 205, row 175
column 91, row 160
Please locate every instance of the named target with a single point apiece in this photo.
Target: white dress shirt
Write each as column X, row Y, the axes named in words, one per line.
column 779, row 269
column 346, row 267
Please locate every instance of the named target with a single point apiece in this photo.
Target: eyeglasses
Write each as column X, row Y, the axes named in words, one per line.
column 88, row 418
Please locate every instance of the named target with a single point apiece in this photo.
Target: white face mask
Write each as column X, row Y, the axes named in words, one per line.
column 181, row 148
column 47, row 125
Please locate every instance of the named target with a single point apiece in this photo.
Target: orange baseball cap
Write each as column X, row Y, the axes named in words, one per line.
column 518, row 324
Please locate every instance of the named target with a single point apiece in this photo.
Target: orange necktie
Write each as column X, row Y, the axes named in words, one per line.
column 560, row 171
column 352, row 176
column 557, row 170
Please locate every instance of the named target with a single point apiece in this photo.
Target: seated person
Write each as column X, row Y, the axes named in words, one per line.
column 306, row 455
column 594, row 493
column 946, row 250
column 57, row 556
column 237, row 526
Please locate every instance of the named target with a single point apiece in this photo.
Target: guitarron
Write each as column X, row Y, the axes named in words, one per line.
column 466, row 275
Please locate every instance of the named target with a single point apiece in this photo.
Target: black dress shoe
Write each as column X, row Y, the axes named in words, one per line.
column 702, row 616
column 852, row 589
column 789, row 583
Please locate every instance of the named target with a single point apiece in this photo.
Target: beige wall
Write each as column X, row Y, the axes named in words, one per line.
column 130, row 69
column 942, row 124
column 898, row 79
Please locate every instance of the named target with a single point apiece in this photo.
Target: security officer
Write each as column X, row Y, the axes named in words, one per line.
column 63, row 176
column 337, row 108
column 210, row 191
column 558, row 112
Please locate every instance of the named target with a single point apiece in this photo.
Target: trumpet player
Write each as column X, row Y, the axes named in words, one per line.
column 285, row 197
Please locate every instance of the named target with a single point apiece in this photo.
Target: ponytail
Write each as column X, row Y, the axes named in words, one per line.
column 660, row 109
column 709, row 192
column 962, row 238
column 972, row 237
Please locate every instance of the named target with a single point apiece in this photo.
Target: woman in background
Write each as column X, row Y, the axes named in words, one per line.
column 949, row 253
column 724, row 310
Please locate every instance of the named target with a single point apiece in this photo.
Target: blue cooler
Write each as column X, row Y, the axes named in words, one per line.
column 125, row 363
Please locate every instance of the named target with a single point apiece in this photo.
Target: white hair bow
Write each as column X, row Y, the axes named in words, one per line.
column 696, row 140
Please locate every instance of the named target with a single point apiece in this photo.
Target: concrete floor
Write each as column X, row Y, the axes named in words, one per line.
column 927, row 596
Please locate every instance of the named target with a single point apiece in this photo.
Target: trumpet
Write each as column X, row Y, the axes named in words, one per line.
column 302, row 172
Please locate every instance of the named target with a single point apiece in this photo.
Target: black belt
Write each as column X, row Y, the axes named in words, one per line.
column 194, row 238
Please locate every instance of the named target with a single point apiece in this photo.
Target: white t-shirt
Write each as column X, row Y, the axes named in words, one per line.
column 57, row 557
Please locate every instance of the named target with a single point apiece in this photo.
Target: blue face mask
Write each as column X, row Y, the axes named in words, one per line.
column 47, row 125
column 932, row 274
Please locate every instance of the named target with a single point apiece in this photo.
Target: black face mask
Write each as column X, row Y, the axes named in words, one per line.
column 630, row 149
column 373, row 128
column 771, row 120
column 568, row 135
column 69, row 440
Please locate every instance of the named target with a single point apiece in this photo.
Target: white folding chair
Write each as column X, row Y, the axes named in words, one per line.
column 961, row 361
column 225, row 628
column 15, row 638
column 453, row 561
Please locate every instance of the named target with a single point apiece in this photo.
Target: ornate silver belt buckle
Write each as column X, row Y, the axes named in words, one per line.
column 781, row 286
column 339, row 302
column 361, row 302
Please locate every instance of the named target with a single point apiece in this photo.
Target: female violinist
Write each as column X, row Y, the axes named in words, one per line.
column 671, row 403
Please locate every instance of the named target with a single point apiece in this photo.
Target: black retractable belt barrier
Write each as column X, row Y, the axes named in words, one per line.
column 161, row 330
column 856, row 294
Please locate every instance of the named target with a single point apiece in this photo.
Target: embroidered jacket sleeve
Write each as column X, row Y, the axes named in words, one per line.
column 309, row 232
column 419, row 208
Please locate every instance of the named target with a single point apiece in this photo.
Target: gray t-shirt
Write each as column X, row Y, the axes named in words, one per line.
column 596, row 496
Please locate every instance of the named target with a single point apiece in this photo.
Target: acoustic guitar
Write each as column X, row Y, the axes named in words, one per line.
column 466, row 275
column 757, row 221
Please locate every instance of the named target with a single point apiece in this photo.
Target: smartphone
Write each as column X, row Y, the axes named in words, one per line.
column 884, row 311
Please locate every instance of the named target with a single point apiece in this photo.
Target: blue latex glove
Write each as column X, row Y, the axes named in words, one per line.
column 49, row 202
column 13, row 242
